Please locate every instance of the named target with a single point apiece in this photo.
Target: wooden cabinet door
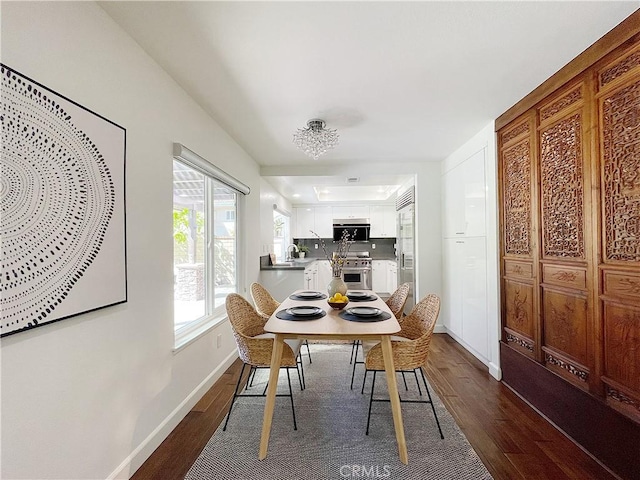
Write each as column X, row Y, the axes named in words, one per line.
column 618, row 103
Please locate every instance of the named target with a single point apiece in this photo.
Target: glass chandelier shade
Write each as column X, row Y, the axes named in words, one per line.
column 315, row 140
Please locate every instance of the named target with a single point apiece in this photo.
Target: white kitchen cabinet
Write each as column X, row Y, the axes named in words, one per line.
column 464, row 199
column 311, row 276
column 324, row 275
column 383, row 221
column 304, row 222
column 392, row 276
column 323, row 219
column 350, row 211
column 379, row 276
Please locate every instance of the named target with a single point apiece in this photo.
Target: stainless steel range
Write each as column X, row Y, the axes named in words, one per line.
column 356, row 272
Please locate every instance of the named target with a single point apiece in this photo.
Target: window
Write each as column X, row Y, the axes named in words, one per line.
column 205, row 247
column 281, row 224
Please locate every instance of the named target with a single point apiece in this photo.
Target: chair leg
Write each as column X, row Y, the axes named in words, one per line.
column 303, row 383
column 306, row 342
column 252, row 376
column 405, row 382
column 235, row 395
column 353, row 370
column 432, row 405
column 417, row 382
column 354, row 346
column 364, row 379
column 373, row 384
column 293, row 410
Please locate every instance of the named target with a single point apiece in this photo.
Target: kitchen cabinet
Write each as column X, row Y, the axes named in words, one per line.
column 392, row 275
column 379, row 276
column 324, row 275
column 323, row 219
column 383, row 221
column 351, row 211
column 304, row 222
column 465, row 198
column 311, row 276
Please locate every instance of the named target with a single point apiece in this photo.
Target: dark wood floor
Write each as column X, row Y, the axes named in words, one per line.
column 513, row 441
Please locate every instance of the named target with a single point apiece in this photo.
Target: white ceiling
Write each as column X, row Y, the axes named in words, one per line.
column 400, row 81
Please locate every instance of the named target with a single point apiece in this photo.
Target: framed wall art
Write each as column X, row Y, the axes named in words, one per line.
column 62, row 207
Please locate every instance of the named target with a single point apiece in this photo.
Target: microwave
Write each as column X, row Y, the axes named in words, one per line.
column 358, row 228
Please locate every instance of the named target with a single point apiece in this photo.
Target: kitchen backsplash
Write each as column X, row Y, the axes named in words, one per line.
column 384, row 247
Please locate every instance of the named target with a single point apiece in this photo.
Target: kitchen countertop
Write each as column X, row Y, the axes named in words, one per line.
column 283, row 267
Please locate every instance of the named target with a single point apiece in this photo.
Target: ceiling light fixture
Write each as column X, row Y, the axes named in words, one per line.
column 315, row 140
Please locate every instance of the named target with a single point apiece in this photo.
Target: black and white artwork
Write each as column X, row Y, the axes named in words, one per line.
column 62, row 207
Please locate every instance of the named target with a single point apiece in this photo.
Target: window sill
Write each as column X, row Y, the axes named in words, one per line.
column 190, row 335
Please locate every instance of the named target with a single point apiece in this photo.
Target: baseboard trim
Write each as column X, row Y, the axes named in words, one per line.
column 467, row 347
column 440, row 329
column 143, row 451
column 495, row 371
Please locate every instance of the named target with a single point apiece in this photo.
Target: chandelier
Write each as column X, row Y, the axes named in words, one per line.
column 315, row 140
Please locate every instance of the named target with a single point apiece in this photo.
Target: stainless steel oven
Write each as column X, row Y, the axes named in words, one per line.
column 356, row 272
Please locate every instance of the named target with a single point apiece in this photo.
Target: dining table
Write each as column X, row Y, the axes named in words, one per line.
column 306, row 314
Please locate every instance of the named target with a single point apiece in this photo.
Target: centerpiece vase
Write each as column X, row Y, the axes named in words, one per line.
column 337, row 285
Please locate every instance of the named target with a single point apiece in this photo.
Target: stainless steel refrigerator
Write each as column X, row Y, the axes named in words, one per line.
column 405, row 243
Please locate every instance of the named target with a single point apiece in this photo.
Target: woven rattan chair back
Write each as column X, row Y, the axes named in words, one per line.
column 418, row 328
column 246, row 324
column 398, row 299
column 264, row 302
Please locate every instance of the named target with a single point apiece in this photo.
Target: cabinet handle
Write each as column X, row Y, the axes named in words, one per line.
column 459, row 242
column 459, row 233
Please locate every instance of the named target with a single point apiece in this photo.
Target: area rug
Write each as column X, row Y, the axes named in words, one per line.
column 330, row 442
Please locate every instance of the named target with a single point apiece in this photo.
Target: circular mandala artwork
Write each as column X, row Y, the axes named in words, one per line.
column 56, row 200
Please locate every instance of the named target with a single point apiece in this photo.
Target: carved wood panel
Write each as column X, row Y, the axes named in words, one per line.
column 564, row 276
column 549, row 110
column 620, row 67
column 518, row 269
column 519, row 307
column 621, row 284
column 620, row 145
column 565, row 323
column 622, row 345
column 561, row 188
column 517, row 198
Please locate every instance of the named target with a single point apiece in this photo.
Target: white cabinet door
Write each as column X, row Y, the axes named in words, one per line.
column 474, row 295
column 452, row 305
column 453, row 208
column 475, row 195
column 383, row 221
column 324, row 275
column 350, row 211
column 311, row 276
column 323, row 221
column 392, row 276
column 304, row 222
column 465, row 198
column 379, row 276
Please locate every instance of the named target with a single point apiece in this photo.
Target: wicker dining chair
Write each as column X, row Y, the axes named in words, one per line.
column 266, row 305
column 255, row 347
column 396, row 303
column 410, row 350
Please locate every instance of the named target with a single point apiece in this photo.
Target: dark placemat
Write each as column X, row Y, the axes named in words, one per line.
column 354, row 318
column 283, row 315
column 370, row 298
column 293, row 296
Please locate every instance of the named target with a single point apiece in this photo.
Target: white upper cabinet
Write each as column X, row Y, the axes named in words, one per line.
column 351, row 211
column 303, row 222
column 383, row 221
column 465, row 198
column 324, row 222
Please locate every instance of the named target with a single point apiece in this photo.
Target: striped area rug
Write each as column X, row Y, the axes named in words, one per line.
column 330, row 442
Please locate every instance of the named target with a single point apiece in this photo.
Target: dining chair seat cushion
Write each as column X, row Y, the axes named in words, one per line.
column 293, row 343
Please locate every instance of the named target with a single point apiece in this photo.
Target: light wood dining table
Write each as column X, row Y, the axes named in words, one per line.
column 333, row 327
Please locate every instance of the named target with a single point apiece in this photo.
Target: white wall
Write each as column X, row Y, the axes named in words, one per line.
column 92, row 396
column 483, row 140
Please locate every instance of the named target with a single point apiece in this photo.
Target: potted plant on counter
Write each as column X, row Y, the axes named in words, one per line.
column 302, row 251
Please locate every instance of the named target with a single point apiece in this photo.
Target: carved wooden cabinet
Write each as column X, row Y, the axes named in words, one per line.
column 570, row 225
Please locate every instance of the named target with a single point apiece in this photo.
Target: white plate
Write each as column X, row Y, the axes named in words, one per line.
column 357, row 294
column 309, row 294
column 304, row 311
column 364, row 311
